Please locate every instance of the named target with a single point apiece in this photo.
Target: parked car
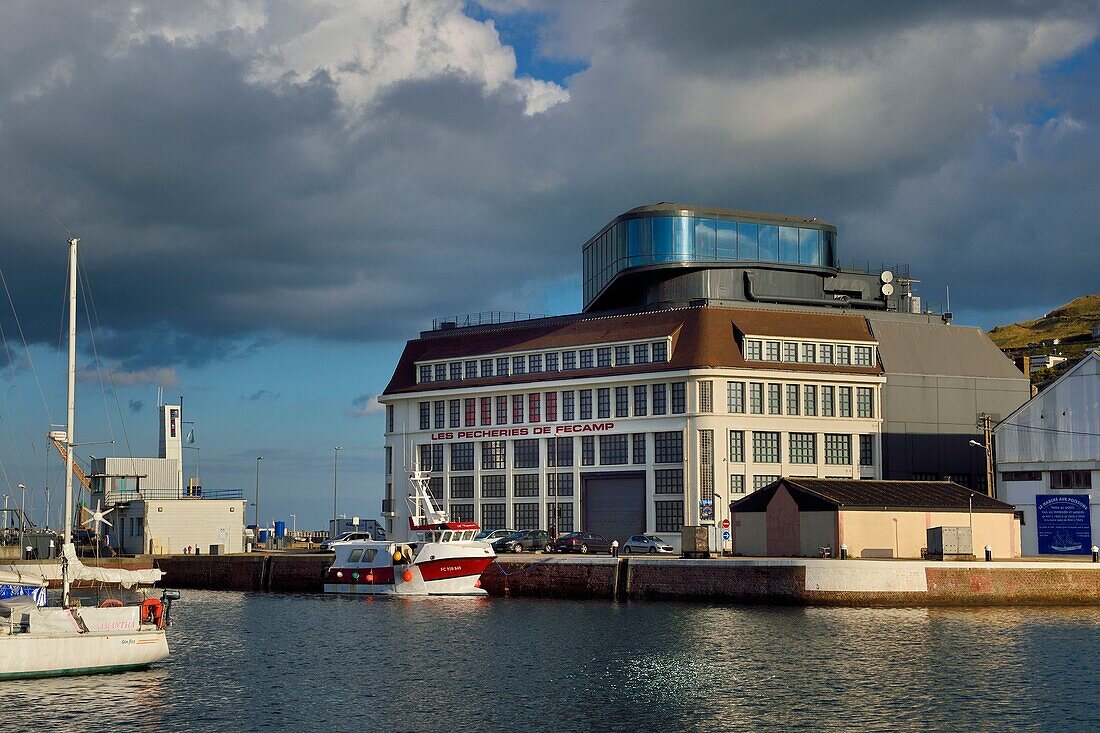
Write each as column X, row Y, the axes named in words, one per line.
column 583, row 542
column 492, row 535
column 648, row 543
column 526, row 540
column 326, row 546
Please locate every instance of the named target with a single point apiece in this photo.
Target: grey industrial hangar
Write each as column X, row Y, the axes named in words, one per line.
column 717, row 351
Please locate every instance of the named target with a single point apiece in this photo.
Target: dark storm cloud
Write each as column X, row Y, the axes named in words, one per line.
column 261, row 394
column 220, row 213
column 136, row 406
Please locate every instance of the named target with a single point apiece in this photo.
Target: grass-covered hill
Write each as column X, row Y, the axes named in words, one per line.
column 1072, row 321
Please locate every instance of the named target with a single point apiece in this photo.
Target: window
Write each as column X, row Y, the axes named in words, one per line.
column 838, row 449
column 559, row 484
column 668, row 447
column 568, row 411
column 559, row 452
column 588, row 450
column 586, row 404
column 809, row 400
column 762, row 480
column 809, row 353
column 790, row 351
column 494, row 516
column 843, row 354
column 456, row 370
column 439, row 410
column 668, row 481
column 756, row 398
column 864, row 356
column 866, row 450
column 435, row 490
column 603, row 357
column 492, row 455
column 603, row 402
column 389, row 418
column 845, row 394
column 486, row 367
column 802, row 447
column 1071, row 479
column 552, row 362
column 638, row 449
column 470, row 411
column 737, row 446
column 660, row 397
column 679, row 398
column 534, row 407
column 525, row 484
column 622, row 402
column 765, row 447
column 525, row 453
column 828, row 401
column 569, row 360
column 462, row 512
column 425, row 415
column 669, row 516
column 1021, row 476
column 564, row 519
column 527, row 514
column 441, row 372
column 462, row 457
column 706, row 464
column 462, row 487
column 660, row 352
column 519, row 365
column 613, row 450
column 486, row 410
column 754, row 350
column 826, row 354
column 792, row 399
column 454, row 412
column 706, row 396
column 771, row 350
column 641, row 353
column 517, row 408
column 586, row 358
column 492, row 487
column 622, row 355
column 641, row 400
column 534, row 363
column 425, row 373
column 551, row 399
column 737, row 483
column 735, row 397
column 865, row 402
column 502, row 366
column 775, row 395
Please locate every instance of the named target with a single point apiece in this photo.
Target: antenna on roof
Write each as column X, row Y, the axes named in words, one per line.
column 947, row 315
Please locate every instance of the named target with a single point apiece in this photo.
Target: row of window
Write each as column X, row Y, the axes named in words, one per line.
column 668, row 515
column 811, row 400
column 1058, row 479
column 809, row 353
column 802, row 448
column 597, row 357
column 614, row 450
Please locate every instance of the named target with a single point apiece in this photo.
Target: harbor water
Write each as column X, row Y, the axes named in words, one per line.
column 271, row 662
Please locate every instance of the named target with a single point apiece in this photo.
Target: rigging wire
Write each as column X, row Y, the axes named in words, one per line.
column 35, row 198
column 1037, row 428
column 30, row 359
column 83, row 275
column 7, row 411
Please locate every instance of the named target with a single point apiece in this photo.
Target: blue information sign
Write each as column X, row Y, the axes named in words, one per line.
column 1062, row 524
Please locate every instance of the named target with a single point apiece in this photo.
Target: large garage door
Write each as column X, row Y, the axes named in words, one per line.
column 614, row 504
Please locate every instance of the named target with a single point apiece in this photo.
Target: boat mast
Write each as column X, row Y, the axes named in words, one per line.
column 71, row 409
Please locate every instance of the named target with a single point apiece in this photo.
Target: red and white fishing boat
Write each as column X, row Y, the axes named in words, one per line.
column 441, row 557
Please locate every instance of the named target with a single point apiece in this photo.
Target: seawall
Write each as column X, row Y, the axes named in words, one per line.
column 792, row 581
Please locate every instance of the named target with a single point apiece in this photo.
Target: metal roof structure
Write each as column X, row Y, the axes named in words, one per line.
column 851, row 494
column 933, row 350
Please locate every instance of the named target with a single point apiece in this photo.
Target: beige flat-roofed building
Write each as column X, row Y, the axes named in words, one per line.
column 796, row 517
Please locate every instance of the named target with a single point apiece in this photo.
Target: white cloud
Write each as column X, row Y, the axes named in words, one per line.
column 156, row 376
column 366, row 404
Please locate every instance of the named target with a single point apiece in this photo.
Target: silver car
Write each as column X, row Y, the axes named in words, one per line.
column 647, row 543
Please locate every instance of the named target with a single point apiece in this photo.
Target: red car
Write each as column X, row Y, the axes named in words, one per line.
column 583, row 542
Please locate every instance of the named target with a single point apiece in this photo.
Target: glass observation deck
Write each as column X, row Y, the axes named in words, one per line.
column 676, row 236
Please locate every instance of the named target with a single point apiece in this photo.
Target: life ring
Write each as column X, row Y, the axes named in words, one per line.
column 152, row 612
column 111, row 603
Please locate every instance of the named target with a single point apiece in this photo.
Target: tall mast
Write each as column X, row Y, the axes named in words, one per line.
column 71, row 410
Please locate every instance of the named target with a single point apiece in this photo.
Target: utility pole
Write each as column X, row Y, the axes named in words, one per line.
column 986, row 423
column 335, row 484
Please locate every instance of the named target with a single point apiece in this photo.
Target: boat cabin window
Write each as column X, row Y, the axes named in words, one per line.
column 447, row 536
column 355, row 555
column 368, row 556
column 423, row 536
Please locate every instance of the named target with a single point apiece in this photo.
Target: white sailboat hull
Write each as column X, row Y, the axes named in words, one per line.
column 38, row 655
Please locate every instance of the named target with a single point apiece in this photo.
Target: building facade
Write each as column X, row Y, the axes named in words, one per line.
column 718, row 350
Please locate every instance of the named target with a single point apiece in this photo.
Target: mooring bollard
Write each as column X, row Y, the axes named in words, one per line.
column 1095, row 553
column 844, row 552
column 988, row 553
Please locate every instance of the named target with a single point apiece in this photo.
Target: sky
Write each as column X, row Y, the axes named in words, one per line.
column 273, row 196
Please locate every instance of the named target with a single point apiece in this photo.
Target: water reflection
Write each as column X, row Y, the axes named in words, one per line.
column 245, row 662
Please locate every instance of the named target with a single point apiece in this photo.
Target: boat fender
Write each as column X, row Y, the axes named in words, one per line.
column 111, row 603
column 152, row 612
column 407, row 576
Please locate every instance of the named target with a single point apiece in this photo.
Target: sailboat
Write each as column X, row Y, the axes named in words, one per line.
column 69, row 639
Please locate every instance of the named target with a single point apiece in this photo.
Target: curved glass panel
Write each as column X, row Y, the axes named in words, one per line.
column 747, row 246
column 705, row 239
column 769, row 243
column 788, row 245
column 727, row 240
column 662, row 239
column 809, row 247
column 683, row 238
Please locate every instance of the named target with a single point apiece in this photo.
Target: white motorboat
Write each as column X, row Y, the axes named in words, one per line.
column 43, row 641
column 440, row 558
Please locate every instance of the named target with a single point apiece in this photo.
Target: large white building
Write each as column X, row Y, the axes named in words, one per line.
column 1048, row 461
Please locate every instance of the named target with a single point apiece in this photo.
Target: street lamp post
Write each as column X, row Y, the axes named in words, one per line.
column 22, row 520
column 258, row 459
column 335, row 483
column 718, row 530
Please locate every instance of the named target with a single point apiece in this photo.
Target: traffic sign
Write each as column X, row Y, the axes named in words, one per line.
column 725, row 535
column 725, row 524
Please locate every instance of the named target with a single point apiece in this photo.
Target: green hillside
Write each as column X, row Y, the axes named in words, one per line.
column 1073, row 320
